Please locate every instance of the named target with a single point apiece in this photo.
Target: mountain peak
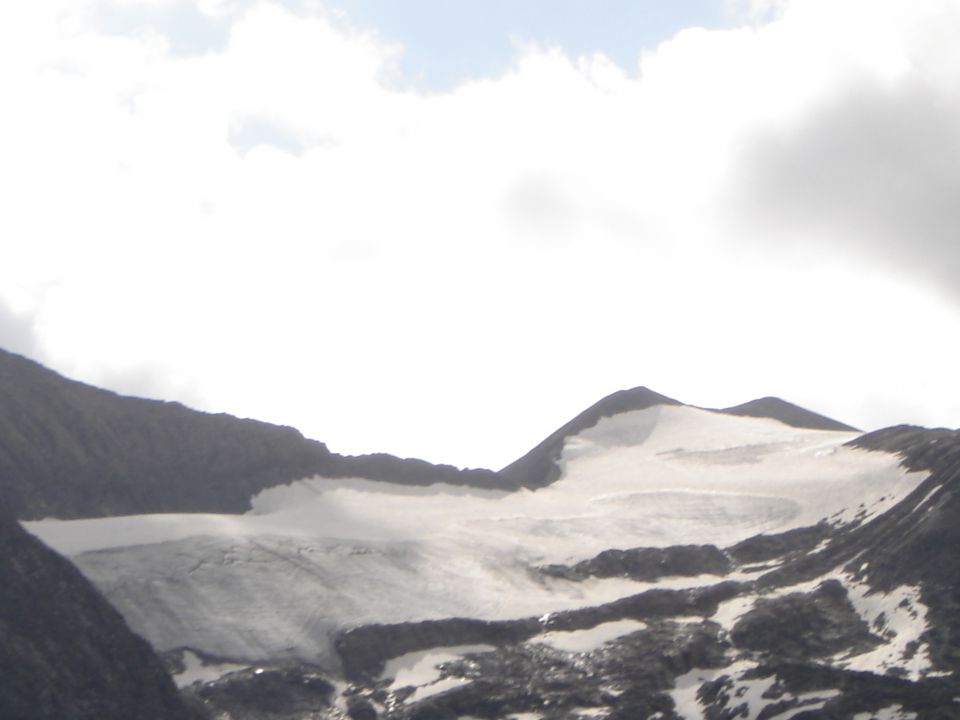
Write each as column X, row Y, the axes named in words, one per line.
column 539, row 467
column 787, row 413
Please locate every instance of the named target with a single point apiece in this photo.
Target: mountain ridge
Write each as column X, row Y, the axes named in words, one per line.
column 69, row 450
column 788, row 413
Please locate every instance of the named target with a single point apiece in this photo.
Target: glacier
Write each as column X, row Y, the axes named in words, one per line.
column 318, row 556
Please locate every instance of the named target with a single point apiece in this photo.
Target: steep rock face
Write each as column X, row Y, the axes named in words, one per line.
column 71, row 450
column 64, row 651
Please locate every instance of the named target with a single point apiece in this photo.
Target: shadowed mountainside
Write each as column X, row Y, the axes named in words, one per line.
column 64, row 651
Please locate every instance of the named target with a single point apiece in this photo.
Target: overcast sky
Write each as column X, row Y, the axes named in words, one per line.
column 442, row 228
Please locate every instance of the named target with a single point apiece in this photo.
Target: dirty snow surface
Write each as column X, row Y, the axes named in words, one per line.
column 318, row 556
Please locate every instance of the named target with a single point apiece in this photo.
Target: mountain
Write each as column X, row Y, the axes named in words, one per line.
column 71, row 450
column 649, row 559
column 64, row 651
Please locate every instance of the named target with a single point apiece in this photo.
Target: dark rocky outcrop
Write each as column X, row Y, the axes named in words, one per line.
column 647, row 564
column 290, row 693
column 364, row 650
column 65, row 653
column 762, row 548
column 71, row 450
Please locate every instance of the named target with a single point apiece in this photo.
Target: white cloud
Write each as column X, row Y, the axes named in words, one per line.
column 272, row 228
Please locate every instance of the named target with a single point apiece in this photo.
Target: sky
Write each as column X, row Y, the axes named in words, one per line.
column 442, row 229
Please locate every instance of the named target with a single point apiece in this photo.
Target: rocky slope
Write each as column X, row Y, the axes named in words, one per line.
column 64, row 651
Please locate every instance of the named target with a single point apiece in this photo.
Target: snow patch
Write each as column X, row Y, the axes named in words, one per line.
column 423, row 668
column 435, row 688
column 894, row 712
column 898, row 617
column 591, row 712
column 579, row 641
column 730, row 611
column 806, row 702
column 684, row 693
column 196, row 670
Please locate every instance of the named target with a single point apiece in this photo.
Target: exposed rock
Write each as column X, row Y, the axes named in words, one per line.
column 763, row 548
column 625, row 678
column 807, row 625
column 647, row 564
column 359, row 708
column 64, row 651
column 292, row 693
column 364, row 650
